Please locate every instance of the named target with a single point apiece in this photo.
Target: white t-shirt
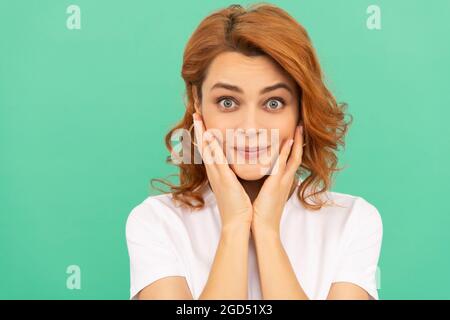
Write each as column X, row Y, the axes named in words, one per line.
column 334, row 244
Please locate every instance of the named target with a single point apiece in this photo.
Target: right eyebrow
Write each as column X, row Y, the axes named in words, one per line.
column 227, row 86
column 265, row 90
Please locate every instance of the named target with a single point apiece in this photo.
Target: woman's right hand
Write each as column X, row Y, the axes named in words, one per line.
column 233, row 202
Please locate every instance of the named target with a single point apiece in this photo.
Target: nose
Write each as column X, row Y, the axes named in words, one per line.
column 248, row 125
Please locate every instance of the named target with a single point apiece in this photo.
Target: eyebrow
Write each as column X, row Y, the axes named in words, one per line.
column 265, row 90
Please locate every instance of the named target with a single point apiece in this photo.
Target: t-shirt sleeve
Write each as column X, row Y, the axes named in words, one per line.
column 359, row 258
column 151, row 251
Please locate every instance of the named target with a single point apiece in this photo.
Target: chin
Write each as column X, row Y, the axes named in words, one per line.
column 249, row 172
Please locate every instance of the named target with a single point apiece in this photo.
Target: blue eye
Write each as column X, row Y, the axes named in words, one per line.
column 275, row 104
column 227, row 103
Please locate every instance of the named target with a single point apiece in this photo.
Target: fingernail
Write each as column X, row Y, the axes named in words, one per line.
column 291, row 141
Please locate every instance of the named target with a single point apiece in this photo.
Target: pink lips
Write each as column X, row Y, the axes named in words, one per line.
column 251, row 152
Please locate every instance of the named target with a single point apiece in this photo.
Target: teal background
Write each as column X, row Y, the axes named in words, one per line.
column 83, row 114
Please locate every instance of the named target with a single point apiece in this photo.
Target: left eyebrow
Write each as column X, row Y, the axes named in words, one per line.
column 265, row 90
column 277, row 86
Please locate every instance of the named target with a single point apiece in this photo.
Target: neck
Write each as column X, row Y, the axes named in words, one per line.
column 252, row 187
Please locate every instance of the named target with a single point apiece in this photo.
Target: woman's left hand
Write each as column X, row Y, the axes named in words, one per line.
column 269, row 204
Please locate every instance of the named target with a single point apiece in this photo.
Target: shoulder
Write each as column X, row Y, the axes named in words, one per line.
column 153, row 214
column 355, row 205
column 342, row 211
column 356, row 212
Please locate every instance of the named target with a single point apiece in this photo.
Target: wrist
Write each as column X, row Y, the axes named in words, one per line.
column 265, row 231
column 236, row 230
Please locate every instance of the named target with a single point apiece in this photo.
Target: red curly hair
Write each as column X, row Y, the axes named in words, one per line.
column 264, row 29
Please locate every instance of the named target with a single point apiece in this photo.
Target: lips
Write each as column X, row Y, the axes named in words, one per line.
column 252, row 149
column 251, row 152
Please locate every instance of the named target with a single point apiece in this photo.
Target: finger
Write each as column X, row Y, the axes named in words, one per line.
column 208, row 154
column 284, row 154
column 220, row 160
column 202, row 144
column 215, row 147
column 296, row 156
column 213, row 157
column 212, row 148
column 212, row 152
column 199, row 130
column 280, row 163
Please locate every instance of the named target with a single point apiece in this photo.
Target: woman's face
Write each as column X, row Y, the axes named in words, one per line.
column 253, row 105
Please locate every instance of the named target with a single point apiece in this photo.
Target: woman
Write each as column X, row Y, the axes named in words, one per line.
column 242, row 223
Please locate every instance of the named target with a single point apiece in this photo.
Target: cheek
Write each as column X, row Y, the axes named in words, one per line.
column 216, row 127
column 287, row 133
column 285, row 130
column 214, row 119
column 218, row 124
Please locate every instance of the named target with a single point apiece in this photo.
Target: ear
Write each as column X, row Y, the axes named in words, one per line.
column 196, row 100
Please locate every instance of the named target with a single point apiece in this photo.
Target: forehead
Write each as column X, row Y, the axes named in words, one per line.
column 246, row 72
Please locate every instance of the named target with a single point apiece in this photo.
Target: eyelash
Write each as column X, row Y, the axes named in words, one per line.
column 279, row 99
